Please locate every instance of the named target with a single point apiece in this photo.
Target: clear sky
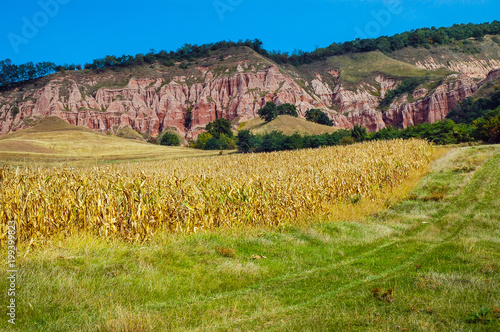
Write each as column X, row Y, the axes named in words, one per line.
column 78, row 31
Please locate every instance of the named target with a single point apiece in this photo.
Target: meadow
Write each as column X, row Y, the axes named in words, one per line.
column 418, row 253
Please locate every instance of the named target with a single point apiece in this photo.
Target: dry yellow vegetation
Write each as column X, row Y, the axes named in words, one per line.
column 135, row 201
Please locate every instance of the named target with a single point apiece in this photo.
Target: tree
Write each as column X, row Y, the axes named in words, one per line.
column 212, row 144
column 245, row 141
column 219, row 127
column 359, row 133
column 226, row 143
column 170, row 139
column 287, row 109
column 202, row 140
column 318, row 116
column 269, row 112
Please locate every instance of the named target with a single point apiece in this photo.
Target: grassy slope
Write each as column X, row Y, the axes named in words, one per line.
column 442, row 54
column 365, row 67
column 486, row 90
column 288, row 125
column 438, row 251
column 55, row 141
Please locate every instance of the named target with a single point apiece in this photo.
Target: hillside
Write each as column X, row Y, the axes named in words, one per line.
column 235, row 83
column 52, row 140
column 288, row 125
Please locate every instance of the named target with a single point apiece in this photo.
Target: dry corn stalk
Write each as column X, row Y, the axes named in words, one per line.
column 134, row 201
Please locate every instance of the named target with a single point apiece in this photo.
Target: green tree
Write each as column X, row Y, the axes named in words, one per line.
column 287, row 109
column 212, row 144
column 318, row 116
column 245, row 141
column 170, row 139
column 359, row 133
column 219, row 127
column 226, row 143
column 202, row 140
column 269, row 112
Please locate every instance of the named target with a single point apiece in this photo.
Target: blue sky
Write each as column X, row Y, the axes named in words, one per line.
column 77, row 31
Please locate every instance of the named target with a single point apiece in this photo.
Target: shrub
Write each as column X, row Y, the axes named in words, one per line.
column 245, row 141
column 170, row 139
column 212, row 144
column 202, row 140
column 14, row 111
column 347, row 140
column 318, row 116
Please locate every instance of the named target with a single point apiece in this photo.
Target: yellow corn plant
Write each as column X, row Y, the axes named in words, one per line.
column 134, row 201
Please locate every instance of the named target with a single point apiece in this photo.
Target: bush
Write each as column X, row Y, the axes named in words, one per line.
column 245, row 141
column 202, row 140
column 359, row 133
column 170, row 139
column 212, row 144
column 318, row 116
column 14, row 111
column 346, row 140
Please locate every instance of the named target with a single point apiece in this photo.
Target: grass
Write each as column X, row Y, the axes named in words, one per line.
column 487, row 89
column 54, row 141
column 288, row 125
column 444, row 54
column 365, row 67
column 129, row 133
column 417, row 265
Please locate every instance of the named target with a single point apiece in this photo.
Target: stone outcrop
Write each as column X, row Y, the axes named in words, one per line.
column 156, row 104
column 470, row 67
column 433, row 107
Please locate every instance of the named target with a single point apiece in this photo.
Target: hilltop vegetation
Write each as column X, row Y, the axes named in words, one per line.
column 457, row 36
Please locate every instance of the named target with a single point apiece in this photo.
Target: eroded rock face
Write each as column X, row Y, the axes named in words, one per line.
column 472, row 68
column 433, row 107
column 154, row 105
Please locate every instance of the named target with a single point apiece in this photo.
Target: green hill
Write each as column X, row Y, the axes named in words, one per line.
column 53, row 140
column 288, row 125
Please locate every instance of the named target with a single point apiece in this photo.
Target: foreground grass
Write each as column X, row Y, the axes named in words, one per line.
column 429, row 263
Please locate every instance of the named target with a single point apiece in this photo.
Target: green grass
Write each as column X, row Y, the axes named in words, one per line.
column 428, row 263
column 288, row 125
column 54, row 141
column 365, row 67
column 487, row 89
column 129, row 133
column 444, row 54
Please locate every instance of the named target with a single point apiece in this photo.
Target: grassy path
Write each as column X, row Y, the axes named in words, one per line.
column 429, row 263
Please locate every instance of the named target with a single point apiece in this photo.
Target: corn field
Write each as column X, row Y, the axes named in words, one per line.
column 134, row 201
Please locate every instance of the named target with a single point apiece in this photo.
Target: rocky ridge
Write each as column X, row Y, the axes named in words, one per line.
column 152, row 105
